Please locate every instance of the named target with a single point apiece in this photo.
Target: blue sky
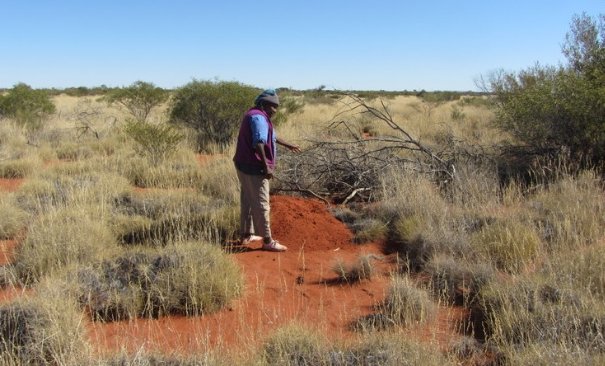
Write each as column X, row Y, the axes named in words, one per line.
column 368, row 45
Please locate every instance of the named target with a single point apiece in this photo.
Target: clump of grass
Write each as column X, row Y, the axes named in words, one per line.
column 407, row 304
column 150, row 358
column 528, row 312
column 157, row 218
column 73, row 151
column 509, row 243
column 571, row 211
column 61, row 237
column 46, row 329
column 458, row 281
column 54, row 189
column 294, row 345
column 180, row 171
column 218, row 179
column 17, row 168
column 388, row 349
column 189, row 278
column 14, row 219
column 362, row 269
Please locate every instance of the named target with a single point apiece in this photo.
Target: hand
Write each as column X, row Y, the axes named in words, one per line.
column 294, row 148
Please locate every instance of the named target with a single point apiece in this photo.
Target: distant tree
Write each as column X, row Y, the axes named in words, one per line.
column 554, row 109
column 138, row 99
column 29, row 107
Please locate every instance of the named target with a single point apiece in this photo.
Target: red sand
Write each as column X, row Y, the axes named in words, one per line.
column 10, row 184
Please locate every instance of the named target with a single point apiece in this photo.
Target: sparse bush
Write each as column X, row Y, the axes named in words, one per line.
column 139, row 99
column 27, row 106
column 153, row 141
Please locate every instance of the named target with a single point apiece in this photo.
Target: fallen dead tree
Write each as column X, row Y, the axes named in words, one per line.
column 347, row 165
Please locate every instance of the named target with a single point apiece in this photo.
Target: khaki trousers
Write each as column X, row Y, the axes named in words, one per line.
column 254, row 205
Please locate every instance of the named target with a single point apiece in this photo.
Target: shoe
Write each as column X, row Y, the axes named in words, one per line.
column 250, row 238
column 274, row 246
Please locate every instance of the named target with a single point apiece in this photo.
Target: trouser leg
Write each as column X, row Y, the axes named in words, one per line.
column 254, row 206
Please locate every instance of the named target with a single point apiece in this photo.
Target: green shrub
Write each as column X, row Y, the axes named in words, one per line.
column 27, row 106
column 153, row 141
column 139, row 99
column 213, row 109
column 554, row 109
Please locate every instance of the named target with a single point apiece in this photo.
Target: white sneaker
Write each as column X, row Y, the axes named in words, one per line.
column 274, row 246
column 248, row 239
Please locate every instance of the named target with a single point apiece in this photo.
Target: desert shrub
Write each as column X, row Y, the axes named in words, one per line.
column 294, row 345
column 139, row 99
column 550, row 109
column 187, row 278
column 509, row 243
column 407, row 304
column 14, row 219
column 213, row 109
column 44, row 330
column 61, row 237
column 27, row 106
column 153, row 141
column 361, row 269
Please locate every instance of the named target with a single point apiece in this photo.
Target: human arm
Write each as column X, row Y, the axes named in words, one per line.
column 289, row 146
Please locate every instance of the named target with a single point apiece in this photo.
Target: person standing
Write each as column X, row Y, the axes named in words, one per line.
column 255, row 160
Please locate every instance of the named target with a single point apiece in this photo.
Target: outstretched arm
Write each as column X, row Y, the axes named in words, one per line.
column 291, row 147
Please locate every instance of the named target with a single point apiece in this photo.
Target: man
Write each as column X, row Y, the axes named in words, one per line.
column 255, row 158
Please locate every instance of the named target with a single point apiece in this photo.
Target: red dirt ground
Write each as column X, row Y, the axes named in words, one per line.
column 297, row 285
column 280, row 288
